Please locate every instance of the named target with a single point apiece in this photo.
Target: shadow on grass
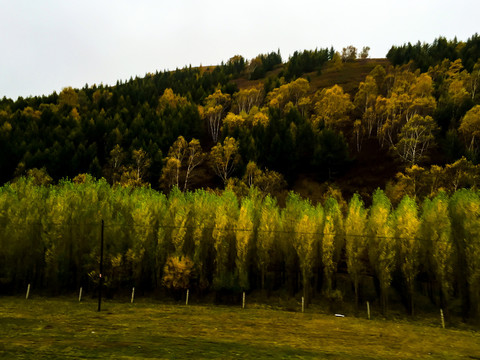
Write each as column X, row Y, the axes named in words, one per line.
column 157, row 347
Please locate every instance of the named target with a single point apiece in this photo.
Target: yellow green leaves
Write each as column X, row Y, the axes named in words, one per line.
column 68, row 97
column 216, row 105
column 436, row 233
column 470, row 127
column 332, row 241
column 307, row 235
column 464, row 213
column 133, row 175
column 246, row 99
column 267, row 234
column 293, row 92
column 243, row 236
column 224, row 157
column 382, row 247
column 355, row 240
column 407, row 225
column 415, row 138
column 267, row 181
column 182, row 159
column 332, row 108
column 170, row 100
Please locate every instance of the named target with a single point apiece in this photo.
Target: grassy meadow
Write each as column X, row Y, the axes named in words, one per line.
column 62, row 328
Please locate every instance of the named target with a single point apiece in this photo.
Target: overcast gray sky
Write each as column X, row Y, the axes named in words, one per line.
column 50, row 44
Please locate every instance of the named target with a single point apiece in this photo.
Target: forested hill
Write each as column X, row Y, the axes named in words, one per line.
column 320, row 117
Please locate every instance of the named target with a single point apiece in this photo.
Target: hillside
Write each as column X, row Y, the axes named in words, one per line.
column 319, row 120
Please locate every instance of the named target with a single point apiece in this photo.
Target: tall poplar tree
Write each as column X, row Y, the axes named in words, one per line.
column 224, row 239
column 267, row 235
column 407, row 226
column 305, row 241
column 436, row 234
column 356, row 240
column 244, row 233
column 381, row 248
column 464, row 212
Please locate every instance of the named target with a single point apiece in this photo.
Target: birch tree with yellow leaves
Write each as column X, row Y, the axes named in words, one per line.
column 224, row 157
column 216, row 106
column 332, row 108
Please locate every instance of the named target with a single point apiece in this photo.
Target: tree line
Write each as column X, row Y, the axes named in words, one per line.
column 425, row 55
column 215, row 241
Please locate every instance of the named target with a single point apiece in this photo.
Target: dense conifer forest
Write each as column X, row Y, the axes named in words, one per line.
column 192, row 171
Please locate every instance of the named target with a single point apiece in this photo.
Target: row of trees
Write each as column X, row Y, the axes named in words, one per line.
column 216, row 241
column 426, row 55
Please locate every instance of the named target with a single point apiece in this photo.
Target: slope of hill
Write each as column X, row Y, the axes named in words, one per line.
column 311, row 119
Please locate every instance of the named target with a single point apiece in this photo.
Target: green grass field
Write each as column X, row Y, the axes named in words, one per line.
column 61, row 328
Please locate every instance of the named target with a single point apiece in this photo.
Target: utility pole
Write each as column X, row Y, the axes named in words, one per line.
column 100, row 282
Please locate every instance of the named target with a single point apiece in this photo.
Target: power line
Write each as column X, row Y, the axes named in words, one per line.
column 46, row 227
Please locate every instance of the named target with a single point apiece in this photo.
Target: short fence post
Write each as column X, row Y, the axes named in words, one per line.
column 442, row 318
column 243, row 301
column 28, row 292
column 188, row 293
column 80, row 294
column 133, row 295
column 368, row 310
column 303, row 304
